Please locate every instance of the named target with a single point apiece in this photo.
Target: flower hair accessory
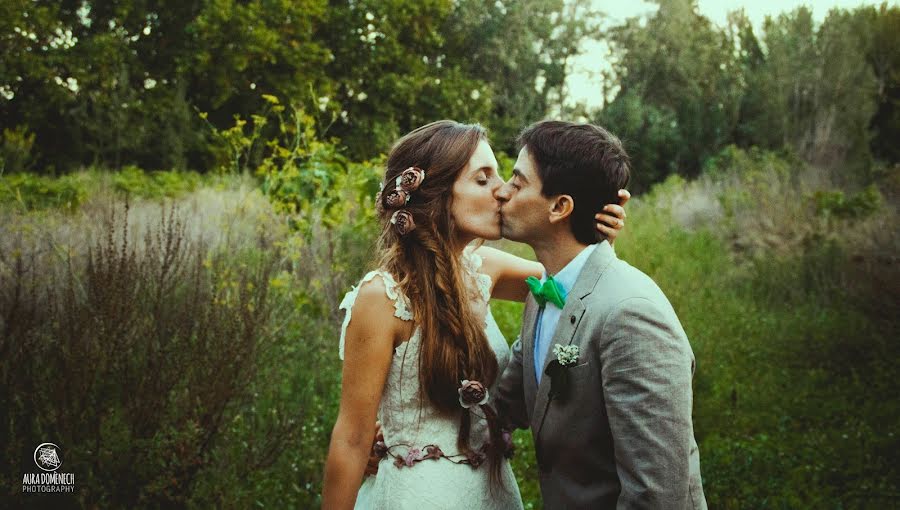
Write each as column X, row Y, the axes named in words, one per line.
column 404, row 185
column 396, row 199
column 403, row 222
column 472, row 393
column 410, row 179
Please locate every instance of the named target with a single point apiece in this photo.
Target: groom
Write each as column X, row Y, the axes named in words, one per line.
column 602, row 369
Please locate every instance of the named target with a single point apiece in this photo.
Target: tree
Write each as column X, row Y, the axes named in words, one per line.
column 520, row 52
column 680, row 90
column 882, row 40
column 120, row 82
column 814, row 91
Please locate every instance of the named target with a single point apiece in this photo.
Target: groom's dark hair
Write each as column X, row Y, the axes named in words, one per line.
column 583, row 161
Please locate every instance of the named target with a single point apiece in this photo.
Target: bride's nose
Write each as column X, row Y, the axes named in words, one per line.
column 496, row 184
column 502, row 193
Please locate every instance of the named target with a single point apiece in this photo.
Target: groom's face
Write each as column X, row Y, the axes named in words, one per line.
column 524, row 211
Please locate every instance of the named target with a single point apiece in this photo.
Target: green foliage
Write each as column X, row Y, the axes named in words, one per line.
column 16, row 151
column 650, row 135
column 516, row 55
column 505, row 163
column 306, row 178
column 117, row 83
column 792, row 403
column 134, row 181
column 882, row 37
column 30, row 191
column 837, row 204
column 824, row 120
column 687, row 89
column 679, row 91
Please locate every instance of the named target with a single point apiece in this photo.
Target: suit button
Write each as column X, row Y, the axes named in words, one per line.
column 572, row 319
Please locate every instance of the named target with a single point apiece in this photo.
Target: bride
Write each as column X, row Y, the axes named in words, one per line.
column 422, row 352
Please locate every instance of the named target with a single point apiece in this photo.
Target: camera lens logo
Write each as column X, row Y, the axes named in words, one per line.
column 47, row 457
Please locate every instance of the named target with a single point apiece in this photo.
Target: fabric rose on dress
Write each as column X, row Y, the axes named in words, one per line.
column 475, row 459
column 395, row 199
column 472, row 393
column 410, row 179
column 403, row 221
column 412, row 456
column 433, row 452
column 380, row 449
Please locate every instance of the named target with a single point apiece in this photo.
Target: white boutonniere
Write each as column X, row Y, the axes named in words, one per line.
column 558, row 370
column 567, row 355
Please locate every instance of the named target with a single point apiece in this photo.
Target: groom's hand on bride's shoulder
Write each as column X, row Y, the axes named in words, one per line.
column 374, row 458
column 612, row 219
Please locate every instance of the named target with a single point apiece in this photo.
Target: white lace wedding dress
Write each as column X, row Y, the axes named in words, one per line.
column 434, row 483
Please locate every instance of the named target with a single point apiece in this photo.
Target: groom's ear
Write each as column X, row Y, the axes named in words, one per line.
column 561, row 208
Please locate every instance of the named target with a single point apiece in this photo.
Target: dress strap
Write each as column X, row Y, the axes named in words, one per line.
column 391, row 288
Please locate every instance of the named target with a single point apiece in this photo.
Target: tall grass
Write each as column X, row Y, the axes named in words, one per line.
column 795, row 344
column 172, row 349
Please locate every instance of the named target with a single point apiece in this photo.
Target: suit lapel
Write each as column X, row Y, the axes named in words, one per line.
column 529, row 318
column 567, row 327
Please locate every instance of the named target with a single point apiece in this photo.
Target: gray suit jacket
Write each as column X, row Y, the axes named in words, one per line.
column 624, row 437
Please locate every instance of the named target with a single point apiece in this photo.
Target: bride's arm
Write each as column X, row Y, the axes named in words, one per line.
column 369, row 346
column 509, row 271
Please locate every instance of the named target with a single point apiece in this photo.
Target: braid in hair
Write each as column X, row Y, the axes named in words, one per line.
column 454, row 345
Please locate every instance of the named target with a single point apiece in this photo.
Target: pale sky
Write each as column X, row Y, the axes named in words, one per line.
column 584, row 83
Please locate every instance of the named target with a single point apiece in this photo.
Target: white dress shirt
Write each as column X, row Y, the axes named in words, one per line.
column 549, row 316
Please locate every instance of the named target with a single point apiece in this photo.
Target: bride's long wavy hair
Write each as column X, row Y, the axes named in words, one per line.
column 453, row 345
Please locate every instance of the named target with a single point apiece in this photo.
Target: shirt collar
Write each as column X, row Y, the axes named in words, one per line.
column 567, row 275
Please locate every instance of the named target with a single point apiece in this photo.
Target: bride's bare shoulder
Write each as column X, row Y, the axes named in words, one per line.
column 376, row 308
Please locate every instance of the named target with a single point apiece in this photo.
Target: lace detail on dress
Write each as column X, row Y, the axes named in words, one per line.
column 412, row 422
column 472, row 262
column 401, row 303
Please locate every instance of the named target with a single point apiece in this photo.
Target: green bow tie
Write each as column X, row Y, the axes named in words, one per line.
column 550, row 291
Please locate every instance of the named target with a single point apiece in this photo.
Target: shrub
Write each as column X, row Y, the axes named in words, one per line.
column 16, row 150
column 137, row 183
column 29, row 191
column 134, row 355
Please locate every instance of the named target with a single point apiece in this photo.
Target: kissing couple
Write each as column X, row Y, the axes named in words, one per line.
column 601, row 372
